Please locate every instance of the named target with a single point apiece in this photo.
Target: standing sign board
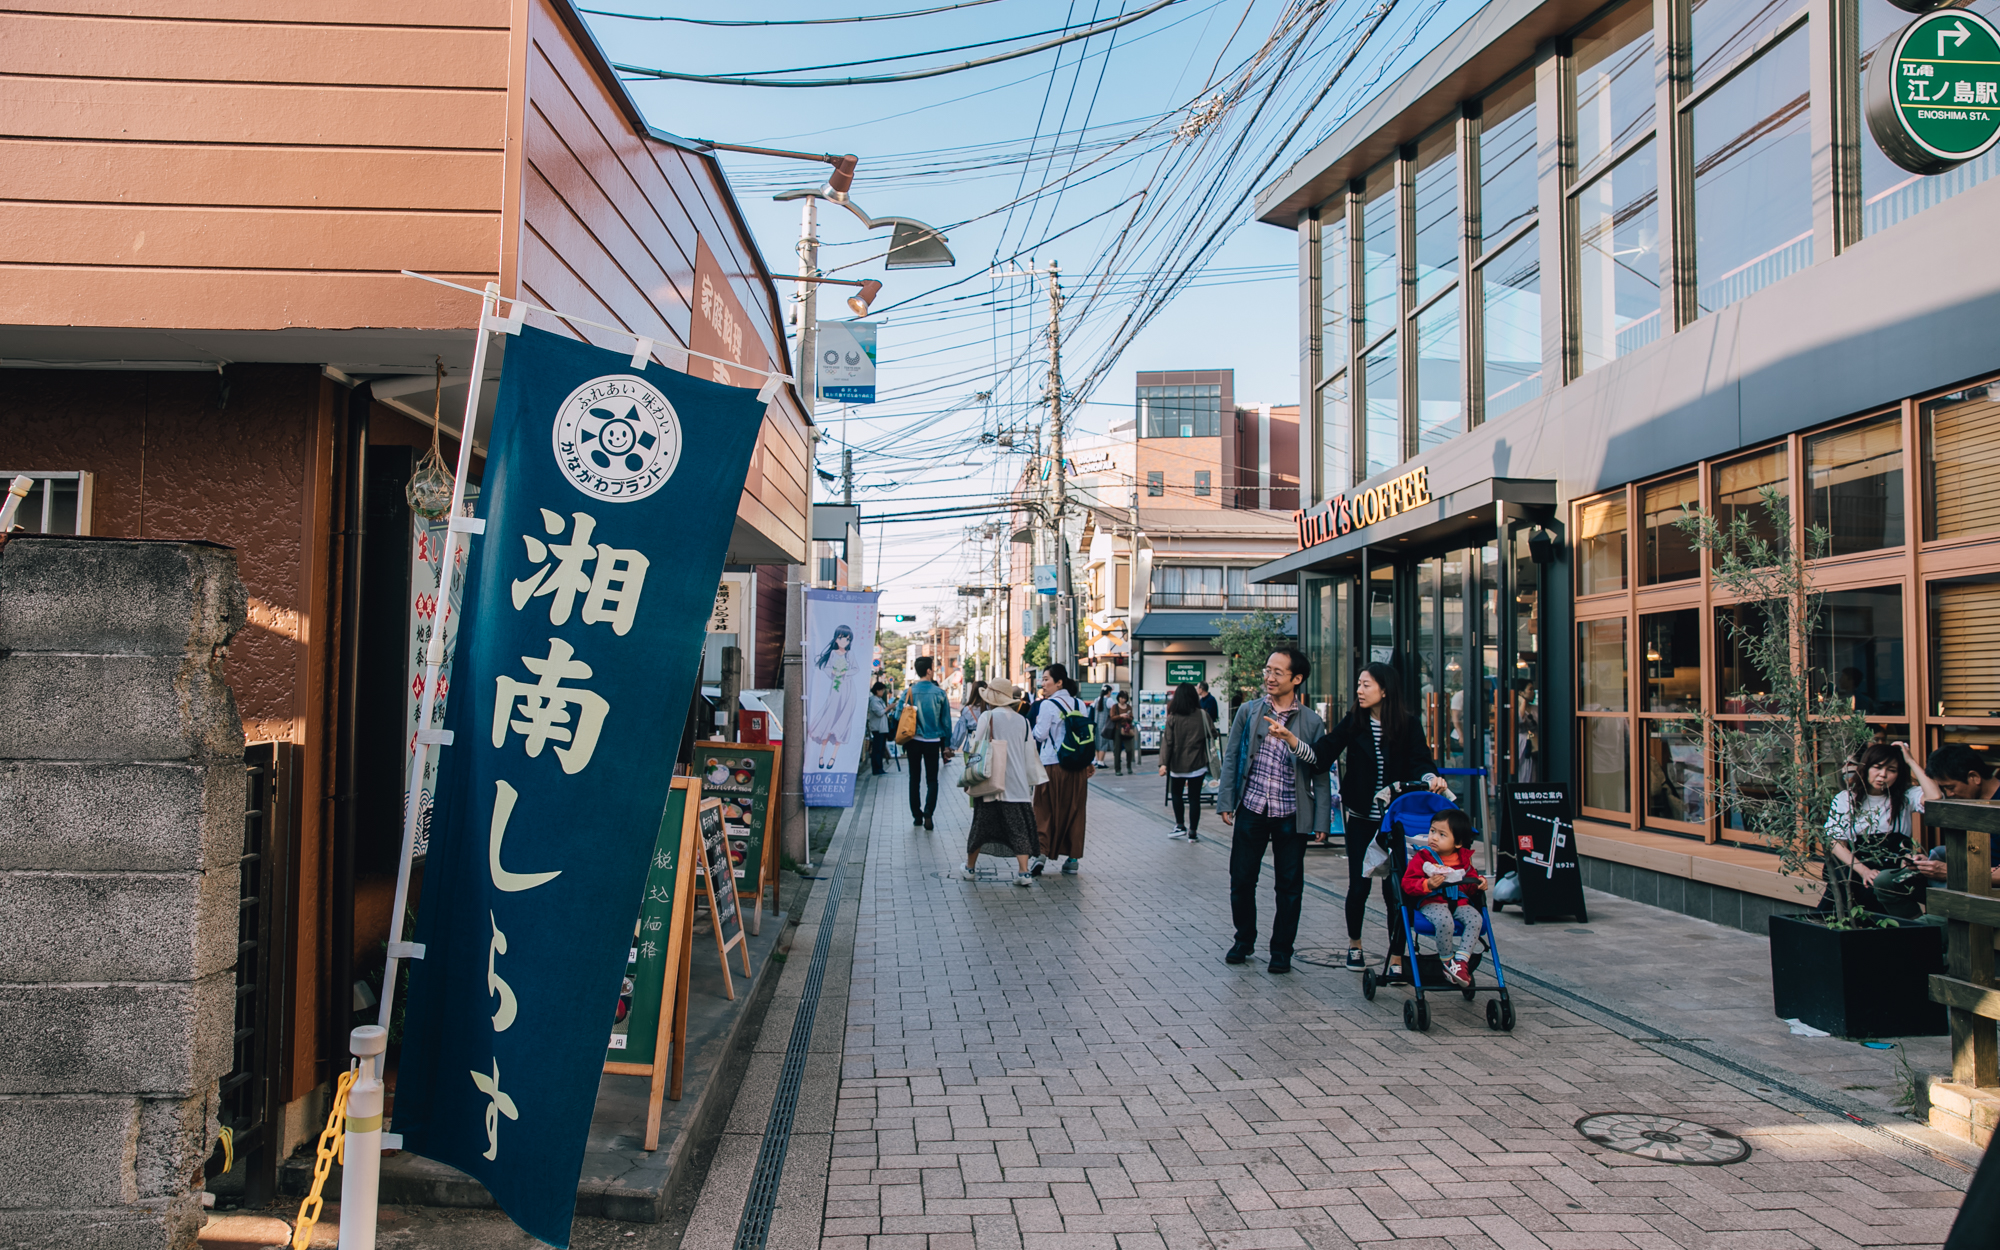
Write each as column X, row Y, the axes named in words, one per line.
column 611, row 488
column 652, row 1017
column 1538, row 821
column 840, row 639
column 741, row 775
column 723, row 907
column 847, row 361
column 1934, row 91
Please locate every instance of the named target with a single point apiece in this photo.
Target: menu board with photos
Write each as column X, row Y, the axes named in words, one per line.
column 744, row 776
column 715, row 852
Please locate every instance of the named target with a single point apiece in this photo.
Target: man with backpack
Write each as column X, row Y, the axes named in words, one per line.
column 1069, row 752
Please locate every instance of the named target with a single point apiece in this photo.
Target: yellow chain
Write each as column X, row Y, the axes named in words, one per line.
column 332, row 1142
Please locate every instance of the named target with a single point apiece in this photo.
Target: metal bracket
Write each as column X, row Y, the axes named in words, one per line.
column 406, row 950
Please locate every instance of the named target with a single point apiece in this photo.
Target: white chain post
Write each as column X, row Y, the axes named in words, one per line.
column 361, row 1168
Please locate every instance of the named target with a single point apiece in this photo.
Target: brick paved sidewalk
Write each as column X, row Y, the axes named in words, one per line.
column 1072, row 1067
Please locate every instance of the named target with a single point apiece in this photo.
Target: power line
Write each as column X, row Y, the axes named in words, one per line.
column 799, row 21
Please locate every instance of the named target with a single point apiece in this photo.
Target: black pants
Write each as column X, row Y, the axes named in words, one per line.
column 923, row 758
column 1360, row 832
column 1246, row 861
column 878, row 752
column 1125, row 754
column 1186, row 794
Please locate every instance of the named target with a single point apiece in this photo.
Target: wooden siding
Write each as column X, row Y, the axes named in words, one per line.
column 610, row 224
column 197, row 163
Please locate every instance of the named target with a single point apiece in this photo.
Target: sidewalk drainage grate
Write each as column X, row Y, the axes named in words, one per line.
column 1664, row 1139
column 755, row 1228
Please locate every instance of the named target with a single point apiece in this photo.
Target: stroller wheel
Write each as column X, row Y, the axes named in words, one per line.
column 1469, row 992
column 1420, row 1011
column 1410, row 1015
column 1368, row 985
column 1506, row 1016
column 1493, row 1014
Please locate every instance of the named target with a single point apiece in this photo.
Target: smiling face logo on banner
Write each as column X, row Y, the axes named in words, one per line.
column 617, row 438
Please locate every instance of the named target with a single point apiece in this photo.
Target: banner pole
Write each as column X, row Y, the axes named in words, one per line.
column 358, row 1216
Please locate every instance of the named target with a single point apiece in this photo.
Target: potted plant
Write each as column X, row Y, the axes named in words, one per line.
column 1845, row 969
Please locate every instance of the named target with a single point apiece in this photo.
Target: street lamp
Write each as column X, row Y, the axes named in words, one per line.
column 912, row 245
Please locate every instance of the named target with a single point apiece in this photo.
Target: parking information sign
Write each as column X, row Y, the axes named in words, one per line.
column 1934, row 91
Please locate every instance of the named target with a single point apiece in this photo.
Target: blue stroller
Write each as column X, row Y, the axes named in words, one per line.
column 1410, row 816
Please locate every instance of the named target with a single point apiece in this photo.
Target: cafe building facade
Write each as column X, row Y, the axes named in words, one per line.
column 205, row 334
column 1583, row 266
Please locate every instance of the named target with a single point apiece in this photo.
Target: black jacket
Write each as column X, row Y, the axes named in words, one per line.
column 1406, row 756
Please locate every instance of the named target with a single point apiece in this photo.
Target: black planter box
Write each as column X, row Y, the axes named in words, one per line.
column 1858, row 982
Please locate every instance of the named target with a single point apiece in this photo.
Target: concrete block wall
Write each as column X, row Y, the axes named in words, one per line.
column 121, row 810
column 1705, row 901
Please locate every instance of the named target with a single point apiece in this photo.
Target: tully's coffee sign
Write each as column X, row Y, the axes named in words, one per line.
column 1934, row 91
column 1343, row 514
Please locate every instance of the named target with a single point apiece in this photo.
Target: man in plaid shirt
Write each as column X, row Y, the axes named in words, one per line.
column 1273, row 793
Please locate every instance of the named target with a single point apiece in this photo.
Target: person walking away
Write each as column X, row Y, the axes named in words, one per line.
column 1100, row 720
column 1124, row 738
column 1273, row 790
column 878, row 726
column 1869, row 829
column 1061, row 802
column 1384, row 747
column 925, row 750
column 1004, row 823
column 1184, row 759
column 1441, row 884
column 968, row 719
column 1208, row 703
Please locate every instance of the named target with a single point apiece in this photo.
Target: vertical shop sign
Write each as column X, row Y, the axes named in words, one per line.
column 611, row 493
column 840, row 638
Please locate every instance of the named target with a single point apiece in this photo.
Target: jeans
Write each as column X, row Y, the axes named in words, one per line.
column 1360, row 832
column 1125, row 754
column 1188, row 790
column 878, row 752
column 923, row 758
column 1254, row 832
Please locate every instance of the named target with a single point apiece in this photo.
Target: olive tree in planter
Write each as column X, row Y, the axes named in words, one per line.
column 1847, row 970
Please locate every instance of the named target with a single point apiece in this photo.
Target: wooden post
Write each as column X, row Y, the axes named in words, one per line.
column 1971, row 915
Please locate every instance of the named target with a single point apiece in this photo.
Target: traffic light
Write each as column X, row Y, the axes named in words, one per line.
column 899, row 616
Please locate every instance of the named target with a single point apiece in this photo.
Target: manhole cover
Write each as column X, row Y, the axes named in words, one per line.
column 1663, row 1138
column 1321, row 957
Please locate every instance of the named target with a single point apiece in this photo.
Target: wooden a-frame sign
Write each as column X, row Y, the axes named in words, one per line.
column 663, row 950
column 723, row 905
column 744, row 776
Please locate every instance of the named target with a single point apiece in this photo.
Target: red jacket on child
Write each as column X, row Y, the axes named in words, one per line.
column 1425, row 861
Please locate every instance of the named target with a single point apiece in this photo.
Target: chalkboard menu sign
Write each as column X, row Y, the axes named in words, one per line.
column 1544, row 841
column 744, row 775
column 715, row 857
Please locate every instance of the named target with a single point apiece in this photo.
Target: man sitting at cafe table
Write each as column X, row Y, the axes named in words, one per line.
column 1962, row 773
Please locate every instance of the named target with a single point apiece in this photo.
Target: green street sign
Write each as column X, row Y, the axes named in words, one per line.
column 1186, row 672
column 1934, row 91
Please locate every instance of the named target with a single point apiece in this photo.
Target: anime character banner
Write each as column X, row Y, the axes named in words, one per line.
column 609, row 496
column 840, row 653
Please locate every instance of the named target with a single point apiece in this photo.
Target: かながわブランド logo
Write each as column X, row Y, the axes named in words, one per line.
column 617, row 438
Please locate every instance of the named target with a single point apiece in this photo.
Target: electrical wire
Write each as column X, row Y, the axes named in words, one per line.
column 797, row 21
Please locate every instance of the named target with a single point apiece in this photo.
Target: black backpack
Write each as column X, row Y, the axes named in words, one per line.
column 1078, row 748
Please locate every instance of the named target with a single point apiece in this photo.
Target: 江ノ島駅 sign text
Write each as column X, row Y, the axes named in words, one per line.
column 1344, row 514
column 1934, row 91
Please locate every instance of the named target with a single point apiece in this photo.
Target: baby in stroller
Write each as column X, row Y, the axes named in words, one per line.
column 1441, row 884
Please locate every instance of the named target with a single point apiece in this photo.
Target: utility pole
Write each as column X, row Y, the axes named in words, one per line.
column 1065, row 648
column 794, row 838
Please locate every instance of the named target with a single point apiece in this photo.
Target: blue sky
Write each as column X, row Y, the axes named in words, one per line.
column 1081, row 137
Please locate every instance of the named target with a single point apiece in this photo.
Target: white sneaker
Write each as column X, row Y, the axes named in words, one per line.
column 1036, row 865
column 1023, row 880
column 965, row 874
column 1180, row 831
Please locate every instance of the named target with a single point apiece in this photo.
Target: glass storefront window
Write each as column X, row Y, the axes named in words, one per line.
column 1721, row 32
column 1858, row 647
column 1385, row 409
column 1671, row 660
column 1856, row 477
column 1436, row 208
column 1739, row 487
column 1962, row 462
column 1336, row 438
column 1378, row 252
column 1670, row 554
column 1440, row 390
column 1606, row 759
column 1614, row 81
column 1739, row 685
column 1381, row 615
column 1510, row 285
column 1333, row 345
column 1676, row 772
column 1965, row 649
column 1601, row 675
column 1890, row 193
column 1618, row 260
column 1507, row 157
column 1600, row 546
column 1753, row 220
